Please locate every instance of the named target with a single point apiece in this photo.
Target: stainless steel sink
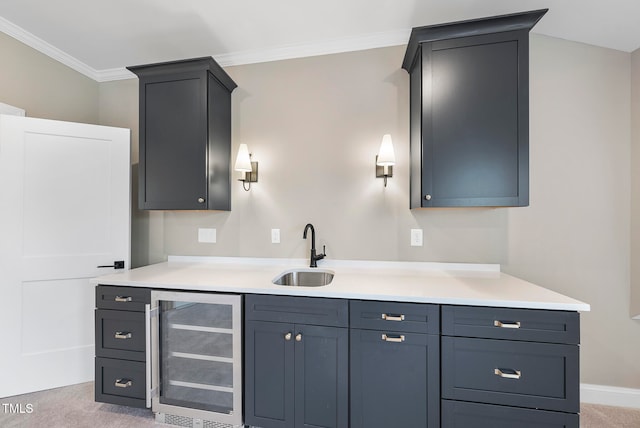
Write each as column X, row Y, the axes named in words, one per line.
column 304, row 278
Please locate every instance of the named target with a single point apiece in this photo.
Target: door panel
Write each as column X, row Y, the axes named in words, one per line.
column 321, row 376
column 64, row 210
column 269, row 383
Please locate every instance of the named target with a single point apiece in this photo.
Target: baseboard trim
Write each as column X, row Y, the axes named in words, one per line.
column 610, row 395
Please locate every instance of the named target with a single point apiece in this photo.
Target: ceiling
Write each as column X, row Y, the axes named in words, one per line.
column 100, row 38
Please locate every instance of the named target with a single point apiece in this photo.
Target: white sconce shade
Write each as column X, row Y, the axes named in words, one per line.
column 243, row 160
column 386, row 156
column 248, row 168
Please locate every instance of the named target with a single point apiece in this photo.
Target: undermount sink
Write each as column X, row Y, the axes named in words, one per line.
column 304, row 278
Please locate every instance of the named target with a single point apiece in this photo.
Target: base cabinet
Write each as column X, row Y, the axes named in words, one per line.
column 120, row 364
column 509, row 367
column 338, row 363
column 296, row 375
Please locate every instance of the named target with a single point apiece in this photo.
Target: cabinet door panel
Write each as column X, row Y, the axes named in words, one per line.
column 394, row 383
column 175, row 142
column 321, row 377
column 269, row 374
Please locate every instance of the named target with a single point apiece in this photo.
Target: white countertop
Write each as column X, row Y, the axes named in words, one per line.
column 441, row 283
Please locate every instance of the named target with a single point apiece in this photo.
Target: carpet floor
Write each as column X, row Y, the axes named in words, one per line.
column 74, row 407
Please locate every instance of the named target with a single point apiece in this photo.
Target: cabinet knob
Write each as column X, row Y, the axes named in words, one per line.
column 287, row 336
column 201, row 200
column 299, row 337
column 427, row 197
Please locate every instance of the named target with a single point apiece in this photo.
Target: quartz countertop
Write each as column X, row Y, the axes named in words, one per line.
column 440, row 283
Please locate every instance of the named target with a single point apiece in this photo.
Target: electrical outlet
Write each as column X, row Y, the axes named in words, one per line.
column 275, row 236
column 207, row 236
column 416, row 237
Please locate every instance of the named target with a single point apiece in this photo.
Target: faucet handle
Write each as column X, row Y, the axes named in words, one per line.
column 324, row 250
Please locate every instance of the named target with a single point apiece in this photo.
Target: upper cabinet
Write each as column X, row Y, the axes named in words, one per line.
column 469, row 112
column 185, row 135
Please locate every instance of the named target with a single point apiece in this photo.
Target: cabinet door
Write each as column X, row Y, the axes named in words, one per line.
column 394, row 379
column 269, row 374
column 475, row 121
column 321, row 377
column 173, row 142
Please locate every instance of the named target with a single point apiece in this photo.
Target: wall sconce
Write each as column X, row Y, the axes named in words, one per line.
column 385, row 159
column 246, row 166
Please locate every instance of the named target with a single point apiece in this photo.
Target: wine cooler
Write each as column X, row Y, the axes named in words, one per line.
column 196, row 343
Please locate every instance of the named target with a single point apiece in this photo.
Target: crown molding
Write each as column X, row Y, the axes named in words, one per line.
column 369, row 41
column 41, row 46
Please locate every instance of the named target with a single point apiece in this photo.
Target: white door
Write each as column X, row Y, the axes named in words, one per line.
column 64, row 210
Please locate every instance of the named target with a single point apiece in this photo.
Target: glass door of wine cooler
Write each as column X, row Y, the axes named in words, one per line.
column 197, row 358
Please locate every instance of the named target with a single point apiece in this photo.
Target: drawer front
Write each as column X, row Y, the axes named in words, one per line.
column 120, row 382
column 523, row 374
column 514, row 324
column 457, row 414
column 301, row 310
column 122, row 298
column 405, row 317
column 120, row 334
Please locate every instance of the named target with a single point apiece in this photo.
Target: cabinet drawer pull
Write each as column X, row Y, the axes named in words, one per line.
column 508, row 373
column 123, row 383
column 388, row 317
column 506, row 324
column 299, row 337
column 396, row 339
column 122, row 335
column 287, row 336
column 123, row 299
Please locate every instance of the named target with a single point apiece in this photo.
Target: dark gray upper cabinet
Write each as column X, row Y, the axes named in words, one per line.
column 185, row 135
column 469, row 112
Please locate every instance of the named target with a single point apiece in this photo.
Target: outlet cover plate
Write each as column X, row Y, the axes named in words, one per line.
column 416, row 237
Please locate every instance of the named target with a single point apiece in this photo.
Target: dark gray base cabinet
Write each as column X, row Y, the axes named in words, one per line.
column 338, row 363
column 120, row 364
column 506, row 367
column 296, row 375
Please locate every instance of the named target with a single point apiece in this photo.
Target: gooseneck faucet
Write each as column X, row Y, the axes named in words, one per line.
column 314, row 257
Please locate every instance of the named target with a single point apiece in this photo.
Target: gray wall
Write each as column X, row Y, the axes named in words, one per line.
column 44, row 87
column 315, row 124
column 635, row 183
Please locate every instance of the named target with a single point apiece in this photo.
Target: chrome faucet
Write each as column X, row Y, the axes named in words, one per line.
column 314, row 257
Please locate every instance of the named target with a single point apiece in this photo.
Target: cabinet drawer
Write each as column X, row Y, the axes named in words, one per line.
column 120, row 334
column 524, row 374
column 404, row 317
column 129, row 375
column 122, row 298
column 515, row 324
column 457, row 414
column 302, row 310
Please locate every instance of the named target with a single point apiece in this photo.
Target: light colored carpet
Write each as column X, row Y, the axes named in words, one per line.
column 73, row 407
